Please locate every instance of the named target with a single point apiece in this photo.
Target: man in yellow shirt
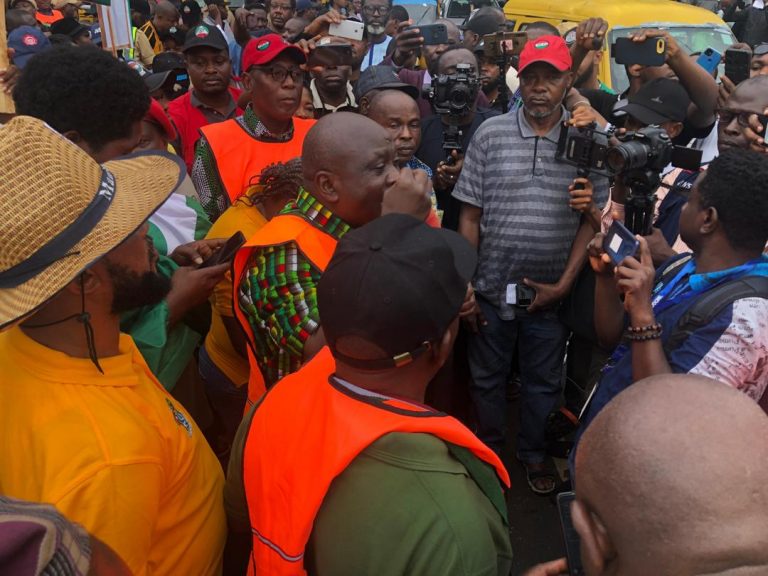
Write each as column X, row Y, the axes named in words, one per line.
column 84, row 425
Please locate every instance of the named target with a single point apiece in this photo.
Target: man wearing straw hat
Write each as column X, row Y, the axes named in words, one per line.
column 84, row 425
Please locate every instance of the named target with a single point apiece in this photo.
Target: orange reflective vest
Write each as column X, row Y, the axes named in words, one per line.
column 46, row 19
column 240, row 157
column 315, row 244
column 306, row 432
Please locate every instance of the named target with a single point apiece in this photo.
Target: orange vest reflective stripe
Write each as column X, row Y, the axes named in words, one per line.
column 240, row 157
column 315, row 244
column 305, row 433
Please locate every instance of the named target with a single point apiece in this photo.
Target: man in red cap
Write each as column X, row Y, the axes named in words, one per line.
column 532, row 241
column 229, row 154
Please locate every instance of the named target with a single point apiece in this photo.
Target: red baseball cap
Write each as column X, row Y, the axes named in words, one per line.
column 549, row 49
column 156, row 115
column 263, row 50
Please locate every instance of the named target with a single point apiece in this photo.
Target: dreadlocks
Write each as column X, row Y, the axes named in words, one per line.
column 278, row 179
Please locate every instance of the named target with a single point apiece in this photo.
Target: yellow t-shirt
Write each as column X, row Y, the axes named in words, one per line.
column 113, row 452
column 248, row 220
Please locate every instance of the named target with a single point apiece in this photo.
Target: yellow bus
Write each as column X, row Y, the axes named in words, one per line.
column 695, row 29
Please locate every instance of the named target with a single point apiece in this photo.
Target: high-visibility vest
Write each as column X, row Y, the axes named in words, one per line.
column 188, row 120
column 55, row 16
column 240, row 157
column 315, row 244
column 306, row 432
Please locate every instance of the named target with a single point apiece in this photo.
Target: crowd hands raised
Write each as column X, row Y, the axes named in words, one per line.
column 228, row 325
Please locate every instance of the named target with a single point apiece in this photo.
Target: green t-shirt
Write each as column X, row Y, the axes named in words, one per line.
column 404, row 506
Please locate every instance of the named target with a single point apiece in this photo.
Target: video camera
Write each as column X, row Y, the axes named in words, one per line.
column 638, row 159
column 453, row 96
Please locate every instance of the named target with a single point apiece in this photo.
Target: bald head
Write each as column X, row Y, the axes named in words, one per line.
column 335, row 140
column 166, row 16
column 348, row 164
column 671, row 479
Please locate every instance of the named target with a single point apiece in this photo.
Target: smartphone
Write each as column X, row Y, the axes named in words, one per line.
column 227, row 252
column 651, row 52
column 347, row 29
column 764, row 122
column 709, row 60
column 525, row 295
column 330, row 56
column 571, row 537
column 432, row 33
column 737, row 63
column 512, row 43
column 619, row 243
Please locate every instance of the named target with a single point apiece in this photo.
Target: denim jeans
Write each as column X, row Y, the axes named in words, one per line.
column 541, row 339
column 227, row 400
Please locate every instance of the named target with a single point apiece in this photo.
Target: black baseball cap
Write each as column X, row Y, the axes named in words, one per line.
column 660, row 100
column 191, row 13
column 483, row 24
column 69, row 26
column 205, row 36
column 397, row 284
column 382, row 78
column 163, row 65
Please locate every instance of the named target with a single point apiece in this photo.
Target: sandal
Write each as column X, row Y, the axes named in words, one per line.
column 535, row 478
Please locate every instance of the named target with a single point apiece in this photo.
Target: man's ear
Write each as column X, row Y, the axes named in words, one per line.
column 442, row 349
column 710, row 220
column 597, row 550
column 675, row 129
column 247, row 82
column 325, row 187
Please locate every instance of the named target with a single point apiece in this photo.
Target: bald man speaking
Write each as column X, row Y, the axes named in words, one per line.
column 350, row 178
column 671, row 479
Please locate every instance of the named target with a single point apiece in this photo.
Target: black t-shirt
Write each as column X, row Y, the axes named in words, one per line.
column 431, row 153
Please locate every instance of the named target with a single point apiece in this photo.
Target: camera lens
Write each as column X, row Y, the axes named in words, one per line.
column 459, row 96
column 627, row 155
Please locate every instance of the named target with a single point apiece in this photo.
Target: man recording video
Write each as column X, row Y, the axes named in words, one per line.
column 459, row 124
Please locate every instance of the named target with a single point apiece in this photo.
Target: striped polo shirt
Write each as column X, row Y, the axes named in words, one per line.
column 527, row 227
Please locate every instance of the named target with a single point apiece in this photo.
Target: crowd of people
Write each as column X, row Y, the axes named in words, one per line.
column 270, row 278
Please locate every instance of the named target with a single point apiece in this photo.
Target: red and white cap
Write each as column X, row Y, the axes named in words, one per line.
column 263, row 50
column 549, row 49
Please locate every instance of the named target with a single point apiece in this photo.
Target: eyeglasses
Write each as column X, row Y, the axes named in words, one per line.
column 376, row 10
column 726, row 117
column 279, row 73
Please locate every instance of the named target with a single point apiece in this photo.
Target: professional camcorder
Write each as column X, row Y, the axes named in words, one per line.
column 453, row 96
column 637, row 159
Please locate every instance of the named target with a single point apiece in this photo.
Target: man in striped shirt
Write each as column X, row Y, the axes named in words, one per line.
column 516, row 211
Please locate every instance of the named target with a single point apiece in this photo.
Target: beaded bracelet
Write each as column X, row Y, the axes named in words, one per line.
column 650, row 328
column 644, row 336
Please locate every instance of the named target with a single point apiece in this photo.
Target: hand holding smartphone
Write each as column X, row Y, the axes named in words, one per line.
column 619, row 243
column 227, row 252
column 650, row 52
column 737, row 63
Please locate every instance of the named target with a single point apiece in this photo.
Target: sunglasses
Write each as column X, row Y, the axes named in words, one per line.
column 760, row 49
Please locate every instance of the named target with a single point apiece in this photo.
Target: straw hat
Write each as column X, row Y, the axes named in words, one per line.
column 60, row 210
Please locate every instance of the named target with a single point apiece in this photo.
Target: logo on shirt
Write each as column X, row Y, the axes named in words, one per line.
column 202, row 32
column 181, row 420
column 541, row 44
column 29, row 40
column 263, row 46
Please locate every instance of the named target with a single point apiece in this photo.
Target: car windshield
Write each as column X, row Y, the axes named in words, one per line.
column 420, row 13
column 691, row 39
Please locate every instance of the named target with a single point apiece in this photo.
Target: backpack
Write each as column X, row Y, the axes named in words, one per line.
column 706, row 308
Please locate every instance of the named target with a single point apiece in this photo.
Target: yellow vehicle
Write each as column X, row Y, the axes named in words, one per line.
column 695, row 29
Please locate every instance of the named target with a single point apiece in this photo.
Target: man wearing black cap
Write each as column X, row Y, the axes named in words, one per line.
column 661, row 102
column 80, row 35
column 487, row 20
column 169, row 79
column 397, row 486
column 376, row 78
column 211, row 99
